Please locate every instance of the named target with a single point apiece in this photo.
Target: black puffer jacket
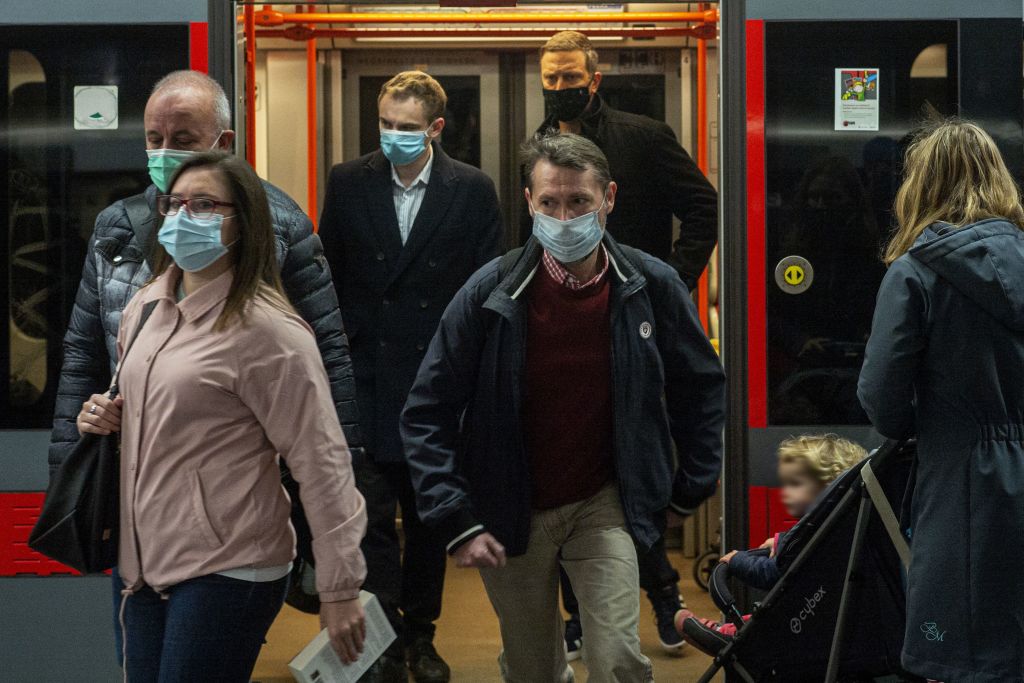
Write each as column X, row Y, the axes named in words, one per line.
column 115, row 268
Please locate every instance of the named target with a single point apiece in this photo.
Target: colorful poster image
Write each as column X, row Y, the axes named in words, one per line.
column 857, row 96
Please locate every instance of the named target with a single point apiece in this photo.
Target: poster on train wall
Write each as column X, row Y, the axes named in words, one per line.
column 856, row 99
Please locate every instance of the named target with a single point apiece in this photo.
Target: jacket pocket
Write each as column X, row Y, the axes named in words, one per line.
column 200, row 518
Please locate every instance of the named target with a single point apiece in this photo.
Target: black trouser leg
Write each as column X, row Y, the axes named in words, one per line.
column 656, row 572
column 423, row 565
column 569, row 601
column 380, row 545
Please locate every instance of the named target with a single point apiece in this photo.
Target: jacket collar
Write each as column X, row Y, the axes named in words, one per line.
column 626, row 277
column 590, row 123
column 196, row 304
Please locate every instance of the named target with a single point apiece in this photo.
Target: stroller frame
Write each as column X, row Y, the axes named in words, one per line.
column 871, row 497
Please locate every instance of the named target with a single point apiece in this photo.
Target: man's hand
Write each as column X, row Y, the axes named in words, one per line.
column 346, row 626
column 483, row 552
column 727, row 558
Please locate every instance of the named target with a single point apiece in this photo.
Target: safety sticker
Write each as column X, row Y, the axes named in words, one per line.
column 95, row 107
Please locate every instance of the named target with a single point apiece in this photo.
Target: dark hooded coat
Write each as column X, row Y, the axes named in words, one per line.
column 945, row 361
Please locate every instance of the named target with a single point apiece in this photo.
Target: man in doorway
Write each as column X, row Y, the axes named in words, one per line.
column 539, row 430
column 657, row 179
column 403, row 228
column 186, row 113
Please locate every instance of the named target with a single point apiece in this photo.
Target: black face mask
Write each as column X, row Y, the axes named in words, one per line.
column 567, row 104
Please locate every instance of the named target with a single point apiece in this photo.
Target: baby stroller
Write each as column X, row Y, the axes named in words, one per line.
column 838, row 611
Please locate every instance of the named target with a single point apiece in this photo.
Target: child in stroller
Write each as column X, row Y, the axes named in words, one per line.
column 807, row 465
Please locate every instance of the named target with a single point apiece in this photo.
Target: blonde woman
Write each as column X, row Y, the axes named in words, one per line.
column 945, row 362
column 223, row 379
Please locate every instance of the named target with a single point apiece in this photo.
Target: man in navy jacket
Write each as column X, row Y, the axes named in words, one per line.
column 403, row 228
column 539, row 431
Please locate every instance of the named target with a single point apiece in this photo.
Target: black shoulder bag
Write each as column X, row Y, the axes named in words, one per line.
column 78, row 525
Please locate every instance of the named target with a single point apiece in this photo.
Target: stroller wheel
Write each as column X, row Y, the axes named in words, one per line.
column 703, row 566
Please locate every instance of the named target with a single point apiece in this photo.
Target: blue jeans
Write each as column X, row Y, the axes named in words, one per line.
column 209, row 628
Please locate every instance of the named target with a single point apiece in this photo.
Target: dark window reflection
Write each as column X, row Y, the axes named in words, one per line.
column 830, row 199
column 461, row 135
column 642, row 94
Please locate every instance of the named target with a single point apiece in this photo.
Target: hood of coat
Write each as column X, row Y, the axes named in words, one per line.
column 983, row 261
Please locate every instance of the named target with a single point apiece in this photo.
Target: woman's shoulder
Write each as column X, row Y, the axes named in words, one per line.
column 271, row 322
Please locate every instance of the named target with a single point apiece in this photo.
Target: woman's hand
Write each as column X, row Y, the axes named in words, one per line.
column 346, row 626
column 100, row 415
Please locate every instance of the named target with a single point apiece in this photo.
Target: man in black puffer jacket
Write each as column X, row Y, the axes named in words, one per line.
column 187, row 112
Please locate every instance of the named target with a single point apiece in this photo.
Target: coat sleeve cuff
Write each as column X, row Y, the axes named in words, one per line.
column 458, row 528
column 680, row 510
column 339, row 596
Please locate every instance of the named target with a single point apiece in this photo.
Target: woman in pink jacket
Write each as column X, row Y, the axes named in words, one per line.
column 223, row 378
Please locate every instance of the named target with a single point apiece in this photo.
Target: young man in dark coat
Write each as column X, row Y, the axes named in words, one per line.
column 403, row 228
column 539, row 432
column 657, row 179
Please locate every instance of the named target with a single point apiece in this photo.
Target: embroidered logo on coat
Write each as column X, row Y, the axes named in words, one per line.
column 931, row 632
column 645, row 330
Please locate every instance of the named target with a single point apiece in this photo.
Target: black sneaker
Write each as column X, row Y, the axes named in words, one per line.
column 425, row 664
column 665, row 605
column 387, row 669
column 573, row 639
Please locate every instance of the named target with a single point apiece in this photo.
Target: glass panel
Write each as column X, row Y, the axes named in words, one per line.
column 461, row 135
column 830, row 195
column 55, row 177
column 642, row 94
column 28, row 239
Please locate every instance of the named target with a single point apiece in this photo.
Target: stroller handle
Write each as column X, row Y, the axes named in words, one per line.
column 718, row 586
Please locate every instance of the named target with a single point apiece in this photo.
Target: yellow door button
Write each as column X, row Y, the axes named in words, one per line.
column 794, row 275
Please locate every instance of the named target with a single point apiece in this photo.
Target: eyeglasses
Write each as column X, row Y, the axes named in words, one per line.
column 197, row 207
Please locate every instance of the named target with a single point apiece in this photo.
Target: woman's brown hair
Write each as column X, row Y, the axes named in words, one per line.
column 256, row 271
column 955, row 174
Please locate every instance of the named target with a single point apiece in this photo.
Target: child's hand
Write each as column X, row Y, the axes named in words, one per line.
column 769, row 544
column 727, row 558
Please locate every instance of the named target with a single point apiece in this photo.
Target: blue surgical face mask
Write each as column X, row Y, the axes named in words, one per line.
column 403, row 147
column 164, row 162
column 568, row 241
column 193, row 243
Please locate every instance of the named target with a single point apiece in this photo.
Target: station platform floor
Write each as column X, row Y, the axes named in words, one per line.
column 469, row 640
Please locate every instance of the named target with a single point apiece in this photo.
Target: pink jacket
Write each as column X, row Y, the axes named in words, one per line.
column 205, row 416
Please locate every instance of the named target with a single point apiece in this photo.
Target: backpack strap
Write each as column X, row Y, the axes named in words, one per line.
column 141, row 220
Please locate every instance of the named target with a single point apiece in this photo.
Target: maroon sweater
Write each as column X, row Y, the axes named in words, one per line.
column 567, row 407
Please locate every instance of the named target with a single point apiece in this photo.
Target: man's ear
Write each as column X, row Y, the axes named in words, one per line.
column 434, row 130
column 529, row 200
column 610, row 201
column 227, row 139
column 595, row 83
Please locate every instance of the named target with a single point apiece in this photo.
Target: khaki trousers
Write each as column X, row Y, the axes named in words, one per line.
column 590, row 540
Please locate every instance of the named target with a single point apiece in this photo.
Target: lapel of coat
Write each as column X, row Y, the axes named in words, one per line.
column 380, row 201
column 436, row 201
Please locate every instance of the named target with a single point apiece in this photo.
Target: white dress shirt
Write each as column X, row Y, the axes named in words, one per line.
column 409, row 199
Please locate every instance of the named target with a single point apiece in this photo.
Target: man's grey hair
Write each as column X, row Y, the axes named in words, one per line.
column 196, row 80
column 567, row 151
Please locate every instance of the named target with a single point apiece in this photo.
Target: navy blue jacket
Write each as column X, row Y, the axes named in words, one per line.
column 392, row 295
column 758, row 569
column 461, row 425
column 946, row 361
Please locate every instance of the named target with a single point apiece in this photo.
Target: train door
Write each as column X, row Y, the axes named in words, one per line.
column 831, row 103
column 71, row 142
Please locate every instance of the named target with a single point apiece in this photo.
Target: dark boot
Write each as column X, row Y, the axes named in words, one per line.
column 388, row 669
column 424, row 662
column 666, row 602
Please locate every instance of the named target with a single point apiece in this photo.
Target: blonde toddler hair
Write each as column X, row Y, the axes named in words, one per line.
column 825, row 456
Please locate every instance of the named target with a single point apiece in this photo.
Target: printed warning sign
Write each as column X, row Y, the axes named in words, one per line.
column 95, row 107
column 856, row 99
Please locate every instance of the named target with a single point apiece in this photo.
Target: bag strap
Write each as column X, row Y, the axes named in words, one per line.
column 147, row 311
column 892, row 525
column 140, row 217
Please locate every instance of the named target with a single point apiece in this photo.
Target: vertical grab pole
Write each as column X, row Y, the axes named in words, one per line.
column 311, row 165
column 250, row 84
column 702, row 160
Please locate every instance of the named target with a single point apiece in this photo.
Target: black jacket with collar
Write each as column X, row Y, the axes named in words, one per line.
column 116, row 267
column 657, row 179
column 392, row 295
column 462, row 428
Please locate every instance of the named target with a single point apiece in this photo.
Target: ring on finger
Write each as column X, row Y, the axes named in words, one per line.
column 92, row 409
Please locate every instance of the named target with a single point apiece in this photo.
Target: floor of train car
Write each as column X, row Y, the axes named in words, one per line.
column 468, row 637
